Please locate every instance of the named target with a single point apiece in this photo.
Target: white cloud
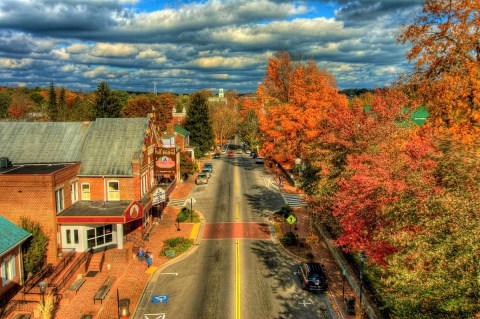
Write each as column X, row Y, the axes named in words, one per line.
column 15, row 63
column 114, row 50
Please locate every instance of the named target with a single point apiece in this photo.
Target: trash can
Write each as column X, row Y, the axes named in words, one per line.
column 350, row 305
column 124, row 308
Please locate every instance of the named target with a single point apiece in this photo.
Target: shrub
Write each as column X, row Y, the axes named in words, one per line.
column 285, row 211
column 185, row 216
column 179, row 244
column 289, row 239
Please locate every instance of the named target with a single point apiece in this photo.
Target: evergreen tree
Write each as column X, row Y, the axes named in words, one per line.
column 62, row 106
column 107, row 103
column 199, row 125
column 35, row 248
column 52, row 109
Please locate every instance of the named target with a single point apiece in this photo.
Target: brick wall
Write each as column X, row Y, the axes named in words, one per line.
column 33, row 196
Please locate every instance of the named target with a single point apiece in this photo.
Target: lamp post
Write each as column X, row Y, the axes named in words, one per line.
column 42, row 286
column 362, row 260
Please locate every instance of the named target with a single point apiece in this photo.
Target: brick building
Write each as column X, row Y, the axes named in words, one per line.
column 88, row 183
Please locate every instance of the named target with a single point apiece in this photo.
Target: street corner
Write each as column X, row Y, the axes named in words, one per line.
column 278, row 230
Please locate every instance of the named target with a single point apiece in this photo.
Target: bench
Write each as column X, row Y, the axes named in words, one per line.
column 77, row 284
column 103, row 290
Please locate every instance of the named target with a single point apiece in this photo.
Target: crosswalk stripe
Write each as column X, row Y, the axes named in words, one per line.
column 294, row 200
column 177, row 202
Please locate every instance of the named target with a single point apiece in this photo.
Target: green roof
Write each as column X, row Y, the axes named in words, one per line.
column 12, row 235
column 180, row 130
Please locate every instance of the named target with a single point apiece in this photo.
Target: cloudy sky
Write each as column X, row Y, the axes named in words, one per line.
column 188, row 45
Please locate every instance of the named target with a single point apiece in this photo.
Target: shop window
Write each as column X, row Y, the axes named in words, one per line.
column 59, row 200
column 8, row 270
column 113, row 190
column 99, row 236
column 86, row 191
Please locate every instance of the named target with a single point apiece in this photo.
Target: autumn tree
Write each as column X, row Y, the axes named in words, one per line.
column 224, row 121
column 446, row 51
column 20, row 104
column 294, row 98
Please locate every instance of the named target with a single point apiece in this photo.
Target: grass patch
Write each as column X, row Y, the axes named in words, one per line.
column 179, row 244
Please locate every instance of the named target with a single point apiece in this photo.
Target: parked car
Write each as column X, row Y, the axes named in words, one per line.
column 260, row 160
column 254, row 154
column 201, row 179
column 248, row 151
column 230, row 154
column 207, row 172
column 224, row 151
column 239, row 151
column 216, row 155
column 313, row 276
column 209, row 166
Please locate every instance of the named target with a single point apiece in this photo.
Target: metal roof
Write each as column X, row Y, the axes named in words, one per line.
column 105, row 146
column 12, row 235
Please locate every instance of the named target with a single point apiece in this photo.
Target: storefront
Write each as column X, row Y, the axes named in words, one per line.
column 98, row 224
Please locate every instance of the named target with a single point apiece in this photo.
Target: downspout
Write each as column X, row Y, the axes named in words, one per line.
column 104, row 191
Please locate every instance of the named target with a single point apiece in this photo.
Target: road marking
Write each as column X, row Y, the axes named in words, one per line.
column 304, row 303
column 170, row 273
column 236, row 211
column 154, row 315
column 160, row 299
column 237, row 282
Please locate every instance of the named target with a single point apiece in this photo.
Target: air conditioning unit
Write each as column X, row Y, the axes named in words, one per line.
column 5, row 162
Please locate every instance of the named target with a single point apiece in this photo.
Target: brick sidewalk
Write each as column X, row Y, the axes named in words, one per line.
column 131, row 276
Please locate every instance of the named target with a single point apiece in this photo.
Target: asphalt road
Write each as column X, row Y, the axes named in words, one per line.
column 238, row 270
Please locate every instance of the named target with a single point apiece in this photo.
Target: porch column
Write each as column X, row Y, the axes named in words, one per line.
column 120, row 236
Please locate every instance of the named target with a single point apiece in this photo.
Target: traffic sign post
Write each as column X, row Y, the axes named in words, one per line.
column 291, row 220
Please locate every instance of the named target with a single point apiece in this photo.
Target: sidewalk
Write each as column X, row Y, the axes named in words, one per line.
column 314, row 245
column 131, row 274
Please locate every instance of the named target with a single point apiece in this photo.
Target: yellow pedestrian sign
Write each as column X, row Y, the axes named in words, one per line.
column 291, row 219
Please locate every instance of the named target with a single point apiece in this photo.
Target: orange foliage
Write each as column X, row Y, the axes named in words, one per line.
column 446, row 52
column 294, row 99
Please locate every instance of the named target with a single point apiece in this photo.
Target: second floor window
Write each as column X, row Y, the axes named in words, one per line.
column 8, row 270
column 113, row 190
column 86, row 191
column 59, row 200
column 74, row 191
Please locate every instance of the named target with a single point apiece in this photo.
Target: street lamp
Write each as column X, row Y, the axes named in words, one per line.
column 362, row 260
column 42, row 286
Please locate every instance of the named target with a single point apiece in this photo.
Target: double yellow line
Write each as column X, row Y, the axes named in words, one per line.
column 237, row 249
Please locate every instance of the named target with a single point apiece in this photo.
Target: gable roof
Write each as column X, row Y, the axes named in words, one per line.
column 110, row 146
column 12, row 235
column 180, row 130
column 105, row 146
column 42, row 142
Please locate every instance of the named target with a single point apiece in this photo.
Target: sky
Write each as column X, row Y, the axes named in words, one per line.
column 190, row 45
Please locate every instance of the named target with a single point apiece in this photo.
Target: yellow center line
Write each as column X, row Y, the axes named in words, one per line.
column 237, row 282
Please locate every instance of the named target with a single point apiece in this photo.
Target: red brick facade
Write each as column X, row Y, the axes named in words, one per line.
column 33, row 196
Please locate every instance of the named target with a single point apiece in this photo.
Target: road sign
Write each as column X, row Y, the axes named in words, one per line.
column 291, row 219
column 160, row 299
column 190, row 201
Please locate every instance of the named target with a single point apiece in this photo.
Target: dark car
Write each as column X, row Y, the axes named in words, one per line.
column 230, row 154
column 313, row 276
column 209, row 166
column 216, row 155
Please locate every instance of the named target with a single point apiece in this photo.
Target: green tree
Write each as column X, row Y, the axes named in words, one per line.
column 182, row 102
column 108, row 103
column 199, row 125
column 52, row 109
column 62, row 106
column 34, row 250
column 82, row 109
column 5, row 99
